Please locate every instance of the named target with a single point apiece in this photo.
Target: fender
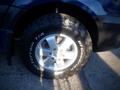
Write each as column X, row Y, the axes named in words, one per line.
column 93, row 7
column 19, row 7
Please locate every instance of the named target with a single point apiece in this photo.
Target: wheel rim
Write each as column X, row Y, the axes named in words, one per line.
column 56, row 52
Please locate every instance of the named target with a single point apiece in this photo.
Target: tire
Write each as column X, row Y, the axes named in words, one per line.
column 56, row 46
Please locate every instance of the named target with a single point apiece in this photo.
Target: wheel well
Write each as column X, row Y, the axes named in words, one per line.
column 29, row 15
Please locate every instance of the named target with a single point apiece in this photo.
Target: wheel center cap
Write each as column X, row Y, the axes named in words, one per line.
column 57, row 53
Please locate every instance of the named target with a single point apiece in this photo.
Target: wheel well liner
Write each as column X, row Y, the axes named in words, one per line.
column 29, row 15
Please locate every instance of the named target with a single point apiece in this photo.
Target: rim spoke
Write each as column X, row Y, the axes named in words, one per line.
column 60, row 63
column 48, row 62
column 45, row 52
column 66, row 43
column 52, row 42
column 42, row 51
column 45, row 62
column 69, row 55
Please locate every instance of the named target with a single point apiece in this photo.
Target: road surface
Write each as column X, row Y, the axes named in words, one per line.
column 102, row 72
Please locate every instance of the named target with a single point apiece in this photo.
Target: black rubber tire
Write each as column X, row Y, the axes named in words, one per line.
column 56, row 23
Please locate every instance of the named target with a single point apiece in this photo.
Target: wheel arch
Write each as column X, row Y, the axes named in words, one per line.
column 84, row 14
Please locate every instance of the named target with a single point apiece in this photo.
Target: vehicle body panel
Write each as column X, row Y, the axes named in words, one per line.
column 4, row 41
column 93, row 5
column 11, row 10
column 4, row 6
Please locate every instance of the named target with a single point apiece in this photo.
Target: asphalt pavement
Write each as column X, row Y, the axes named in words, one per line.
column 102, row 72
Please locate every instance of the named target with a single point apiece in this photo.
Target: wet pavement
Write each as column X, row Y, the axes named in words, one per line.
column 102, row 72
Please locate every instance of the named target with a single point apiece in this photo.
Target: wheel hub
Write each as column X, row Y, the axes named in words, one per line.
column 56, row 52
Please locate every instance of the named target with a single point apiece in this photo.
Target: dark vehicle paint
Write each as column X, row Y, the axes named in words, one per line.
column 4, row 33
column 11, row 11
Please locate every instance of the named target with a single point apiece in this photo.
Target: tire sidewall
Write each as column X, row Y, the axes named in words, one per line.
column 32, row 39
